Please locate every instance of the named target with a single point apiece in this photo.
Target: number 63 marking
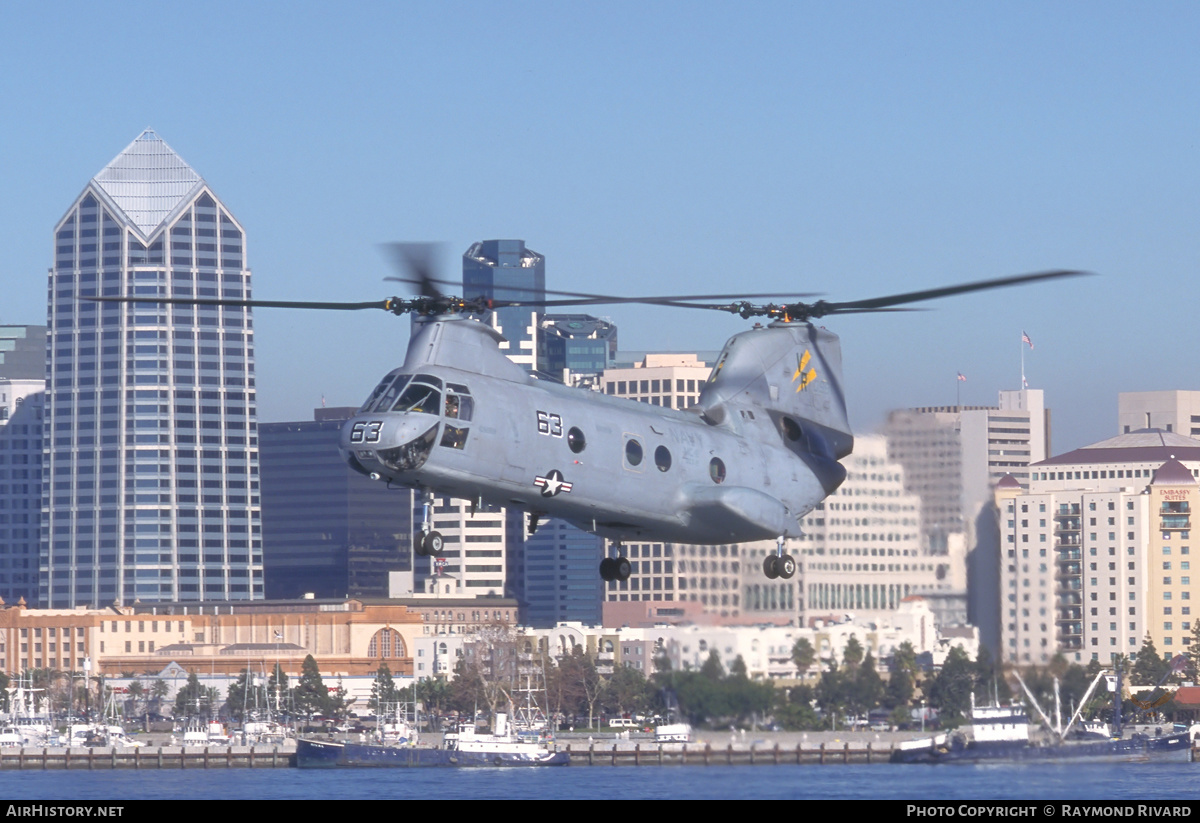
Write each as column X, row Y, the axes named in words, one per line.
column 366, row 432
column 549, row 424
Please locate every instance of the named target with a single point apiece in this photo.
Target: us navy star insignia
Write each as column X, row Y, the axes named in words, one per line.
column 552, row 483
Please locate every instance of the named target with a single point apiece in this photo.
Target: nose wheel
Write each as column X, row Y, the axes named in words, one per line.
column 430, row 543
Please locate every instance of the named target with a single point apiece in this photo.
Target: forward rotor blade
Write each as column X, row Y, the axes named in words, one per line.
column 420, row 260
column 273, row 304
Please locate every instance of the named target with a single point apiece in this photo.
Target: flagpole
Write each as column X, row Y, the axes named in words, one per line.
column 1022, row 344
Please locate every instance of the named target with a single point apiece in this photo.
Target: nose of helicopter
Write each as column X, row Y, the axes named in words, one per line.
column 382, row 448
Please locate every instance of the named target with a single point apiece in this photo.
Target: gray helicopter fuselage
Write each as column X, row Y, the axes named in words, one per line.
column 459, row 419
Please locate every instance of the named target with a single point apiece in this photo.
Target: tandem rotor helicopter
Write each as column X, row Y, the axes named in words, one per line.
column 757, row 452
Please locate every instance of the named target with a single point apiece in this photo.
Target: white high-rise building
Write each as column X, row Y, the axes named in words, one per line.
column 1096, row 554
column 953, row 456
column 1173, row 411
column 150, row 483
column 861, row 550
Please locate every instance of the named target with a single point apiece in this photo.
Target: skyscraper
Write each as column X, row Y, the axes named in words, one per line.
column 327, row 529
column 506, row 270
column 150, row 483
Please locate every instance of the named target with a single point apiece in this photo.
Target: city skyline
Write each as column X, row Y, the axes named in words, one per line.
column 854, row 150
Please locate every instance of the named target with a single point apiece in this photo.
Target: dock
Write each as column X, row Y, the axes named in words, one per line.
column 161, row 757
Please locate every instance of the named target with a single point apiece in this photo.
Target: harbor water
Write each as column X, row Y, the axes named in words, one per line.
column 1111, row 781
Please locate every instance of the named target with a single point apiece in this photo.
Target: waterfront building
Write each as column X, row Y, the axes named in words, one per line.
column 327, row 529
column 150, row 480
column 21, row 426
column 1096, row 552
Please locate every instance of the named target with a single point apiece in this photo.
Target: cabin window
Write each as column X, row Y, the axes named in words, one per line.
column 662, row 458
column 716, row 470
column 575, row 440
column 633, row 452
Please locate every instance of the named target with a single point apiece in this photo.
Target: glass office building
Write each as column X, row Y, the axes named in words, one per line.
column 150, row 478
column 507, row 270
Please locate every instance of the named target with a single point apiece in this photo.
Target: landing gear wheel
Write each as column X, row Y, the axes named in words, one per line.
column 608, row 571
column 419, row 546
column 786, row 566
column 771, row 566
column 432, row 544
column 623, row 568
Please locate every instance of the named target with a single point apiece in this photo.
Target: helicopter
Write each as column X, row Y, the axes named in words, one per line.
column 758, row 451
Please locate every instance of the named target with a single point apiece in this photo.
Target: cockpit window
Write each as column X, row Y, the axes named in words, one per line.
column 388, row 397
column 380, row 390
column 430, row 379
column 459, row 406
column 419, row 397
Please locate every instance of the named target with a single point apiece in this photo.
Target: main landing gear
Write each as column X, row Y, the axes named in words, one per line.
column 615, row 568
column 430, row 543
column 779, row 564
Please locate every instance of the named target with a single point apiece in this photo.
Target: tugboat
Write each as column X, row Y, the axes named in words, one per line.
column 1005, row 734
column 464, row 747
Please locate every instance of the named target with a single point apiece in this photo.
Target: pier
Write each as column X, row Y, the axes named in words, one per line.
column 161, row 757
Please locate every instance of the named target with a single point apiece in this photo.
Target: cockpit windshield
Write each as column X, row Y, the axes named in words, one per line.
column 419, row 397
column 379, row 391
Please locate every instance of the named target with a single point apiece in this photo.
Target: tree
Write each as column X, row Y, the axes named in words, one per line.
column 244, row 695
column 628, row 691
column 852, row 655
column 712, row 668
column 494, row 663
column 830, row 694
column 310, row 694
column 900, row 689
column 794, row 708
column 803, row 655
column 383, row 690
column 1149, row 669
column 867, row 688
column 950, row 692
column 191, row 700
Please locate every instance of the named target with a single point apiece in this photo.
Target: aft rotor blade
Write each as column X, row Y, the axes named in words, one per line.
column 945, row 291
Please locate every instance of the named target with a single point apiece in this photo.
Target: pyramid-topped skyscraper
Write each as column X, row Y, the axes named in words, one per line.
column 150, row 485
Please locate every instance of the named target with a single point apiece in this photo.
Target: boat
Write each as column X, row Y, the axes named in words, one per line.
column 673, row 733
column 466, row 746
column 1005, row 734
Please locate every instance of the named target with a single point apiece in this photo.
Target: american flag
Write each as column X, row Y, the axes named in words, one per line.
column 962, row 377
column 1025, row 339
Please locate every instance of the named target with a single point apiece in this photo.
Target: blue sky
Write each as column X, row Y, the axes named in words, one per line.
column 854, row 149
